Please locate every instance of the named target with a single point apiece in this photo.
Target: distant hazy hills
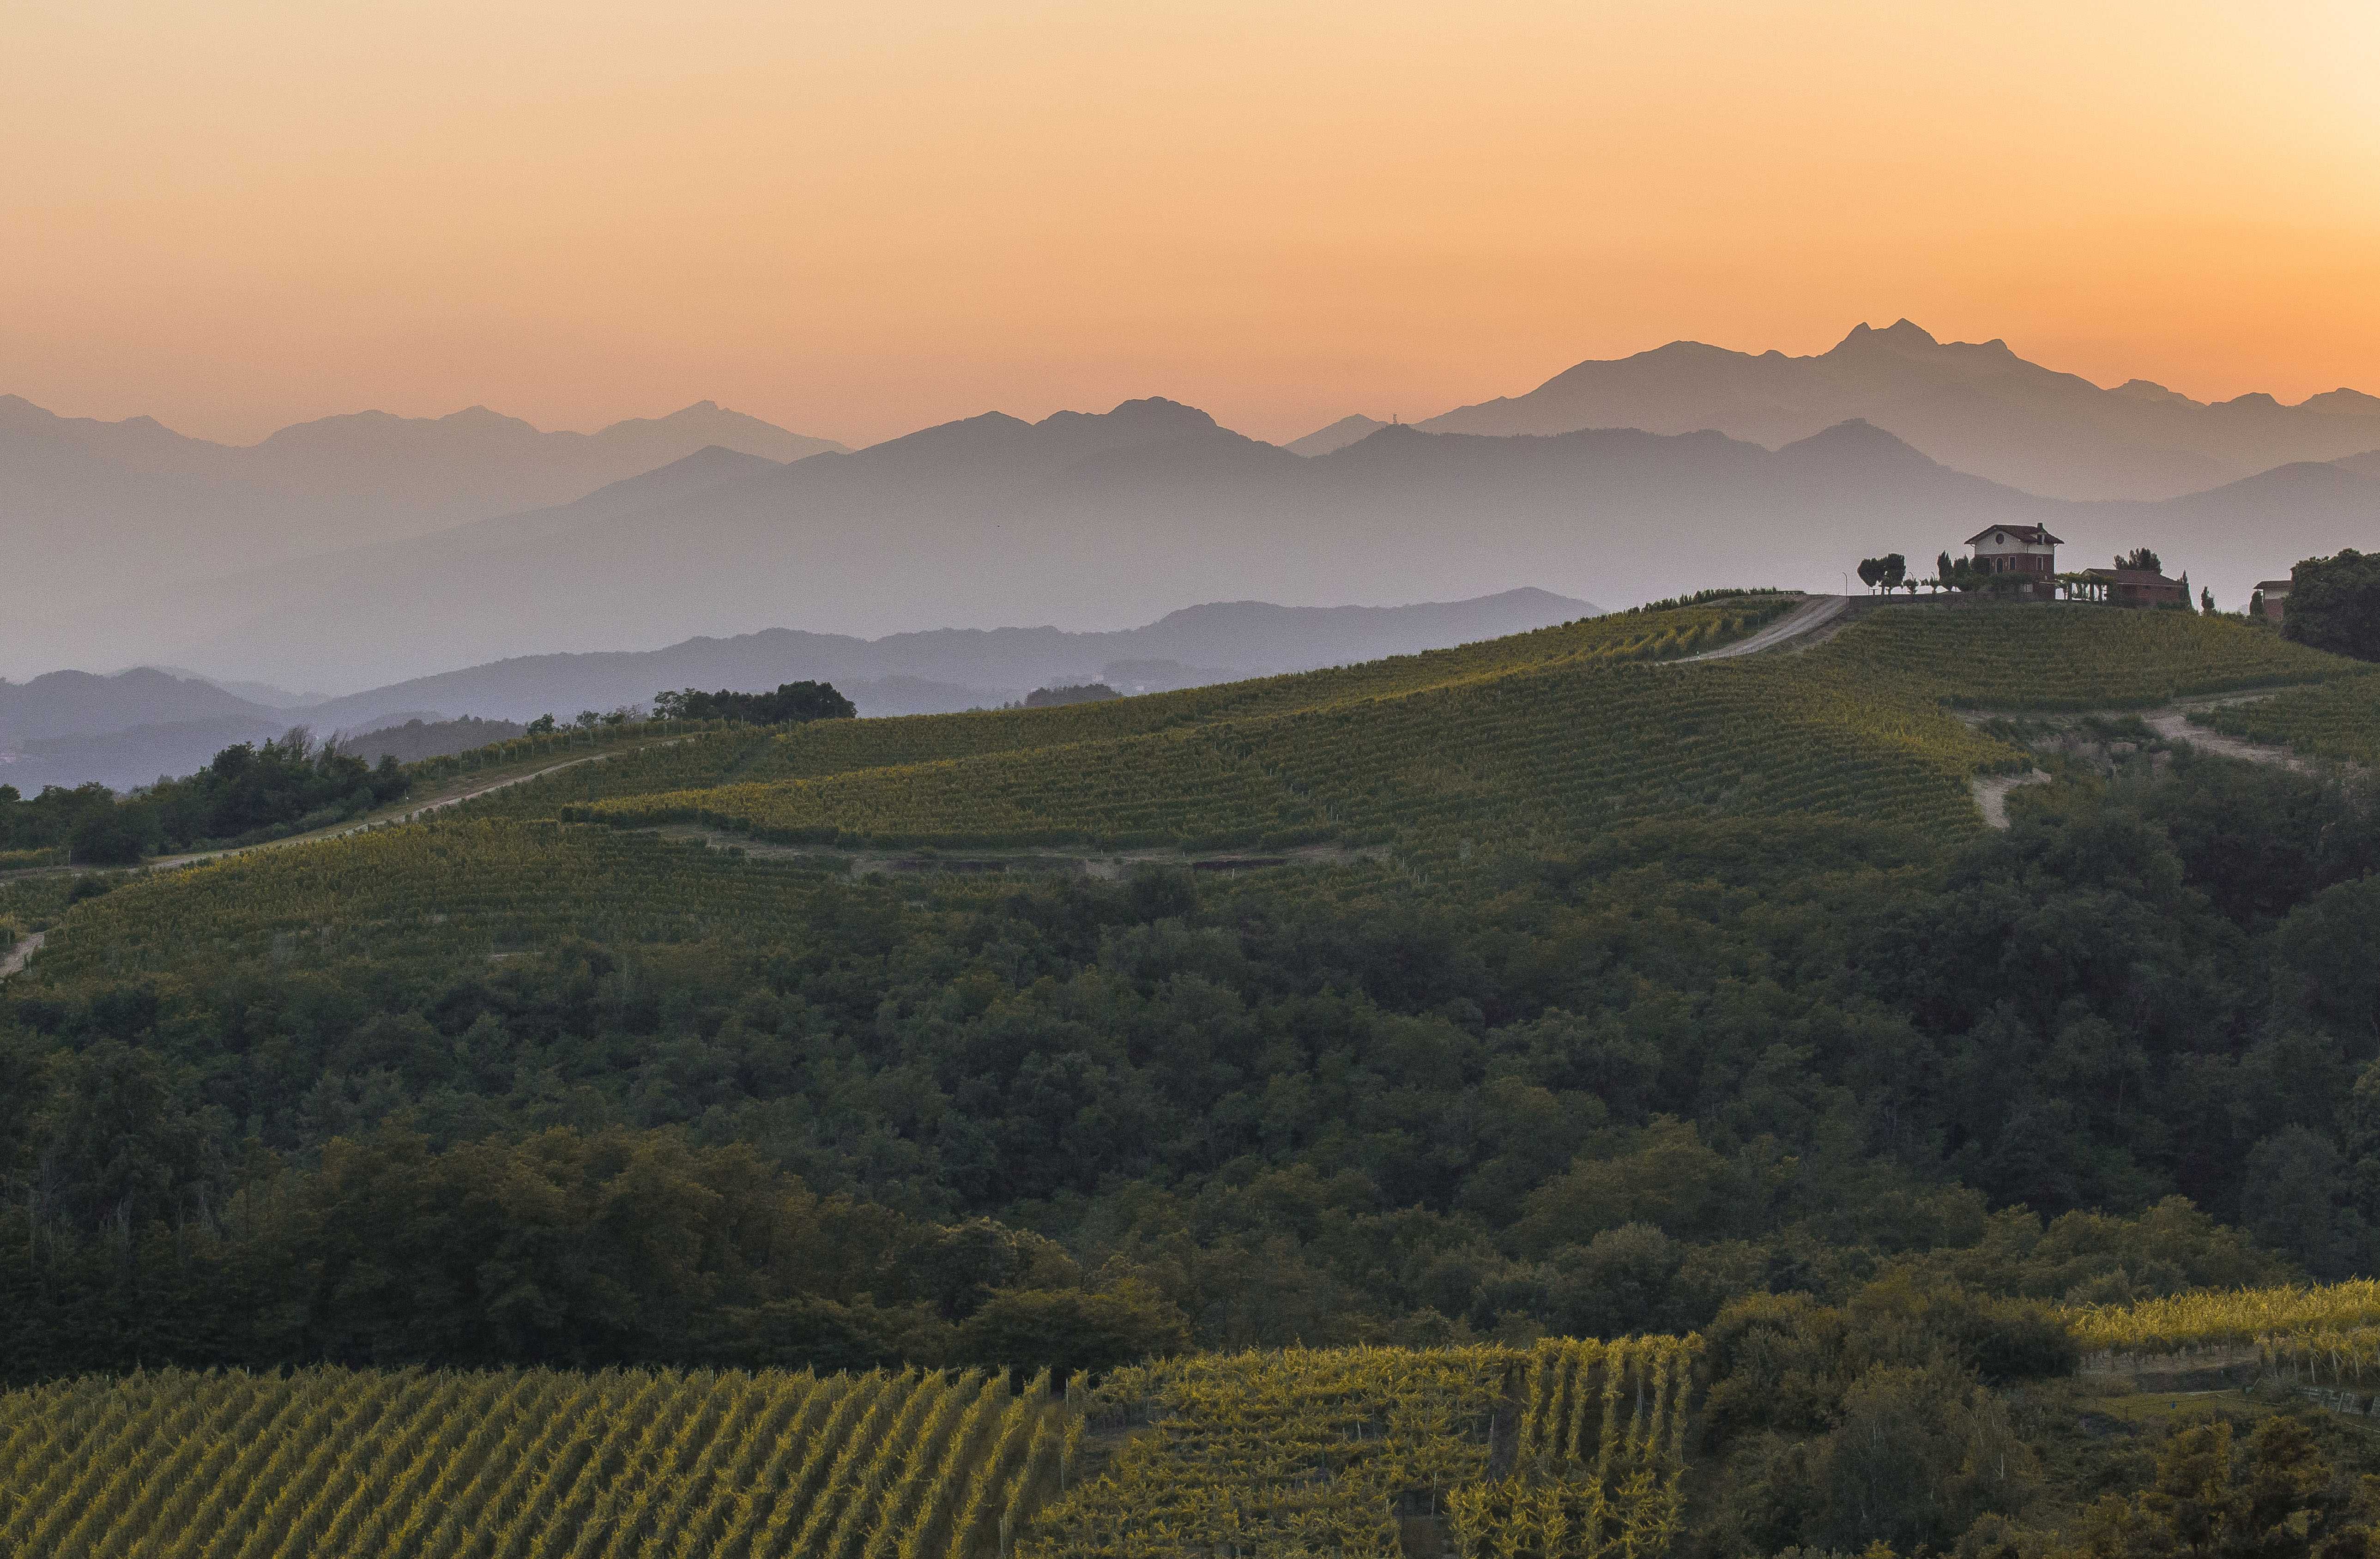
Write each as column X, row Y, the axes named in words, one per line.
column 1125, row 515
column 1978, row 409
column 93, row 514
column 357, row 551
column 70, row 726
column 1338, row 435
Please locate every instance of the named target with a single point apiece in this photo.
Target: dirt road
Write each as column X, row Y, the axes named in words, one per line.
column 1808, row 617
column 17, row 958
column 1992, row 793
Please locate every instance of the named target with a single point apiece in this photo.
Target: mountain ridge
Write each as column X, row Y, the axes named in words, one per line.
column 97, row 512
column 1977, row 407
column 993, row 518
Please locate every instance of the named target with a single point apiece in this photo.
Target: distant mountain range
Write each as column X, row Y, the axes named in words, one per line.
column 93, row 513
column 358, row 551
column 67, row 728
column 1125, row 514
column 1976, row 408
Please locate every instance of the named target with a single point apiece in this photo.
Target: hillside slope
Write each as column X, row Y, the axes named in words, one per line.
column 1516, row 746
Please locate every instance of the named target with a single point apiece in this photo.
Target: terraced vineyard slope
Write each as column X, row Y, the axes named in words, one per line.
column 1570, row 1448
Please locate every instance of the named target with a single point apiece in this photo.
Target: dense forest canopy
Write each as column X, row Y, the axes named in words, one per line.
column 1608, row 1095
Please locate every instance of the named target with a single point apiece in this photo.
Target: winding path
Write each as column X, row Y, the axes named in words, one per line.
column 1808, row 617
column 2173, row 723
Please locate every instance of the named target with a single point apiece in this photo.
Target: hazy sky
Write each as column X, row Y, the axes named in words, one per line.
column 856, row 220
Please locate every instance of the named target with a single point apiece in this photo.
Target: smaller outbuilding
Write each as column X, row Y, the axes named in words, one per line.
column 2136, row 586
column 2275, row 595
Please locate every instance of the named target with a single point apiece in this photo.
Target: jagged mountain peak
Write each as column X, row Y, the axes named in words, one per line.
column 1900, row 333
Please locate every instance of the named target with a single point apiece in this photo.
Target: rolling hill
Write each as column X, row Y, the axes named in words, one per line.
column 1514, row 748
column 70, row 727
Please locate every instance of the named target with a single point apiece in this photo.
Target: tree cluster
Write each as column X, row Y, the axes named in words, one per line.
column 1887, row 573
column 791, row 703
column 2334, row 605
column 248, row 792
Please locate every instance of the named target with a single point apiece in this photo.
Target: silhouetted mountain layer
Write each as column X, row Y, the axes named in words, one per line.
column 958, row 668
column 1976, row 408
column 1338, row 435
column 127, row 729
column 76, row 703
column 93, row 511
column 1124, row 515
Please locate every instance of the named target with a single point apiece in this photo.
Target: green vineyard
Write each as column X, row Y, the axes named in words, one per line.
column 2340, row 721
column 1518, row 746
column 1570, row 1448
column 1530, row 761
column 2063, row 657
column 433, row 893
column 836, row 746
column 719, row 1466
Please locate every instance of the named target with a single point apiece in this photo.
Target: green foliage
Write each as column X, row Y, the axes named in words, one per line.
column 1069, row 1331
column 2280, row 1499
column 245, row 793
column 792, row 704
column 2334, row 605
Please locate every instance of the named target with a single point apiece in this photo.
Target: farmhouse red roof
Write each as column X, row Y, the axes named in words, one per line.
column 2030, row 534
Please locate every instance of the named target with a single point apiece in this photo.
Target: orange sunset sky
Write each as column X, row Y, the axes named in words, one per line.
column 857, row 220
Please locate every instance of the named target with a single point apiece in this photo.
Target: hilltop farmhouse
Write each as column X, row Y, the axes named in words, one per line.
column 2028, row 551
column 2022, row 561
